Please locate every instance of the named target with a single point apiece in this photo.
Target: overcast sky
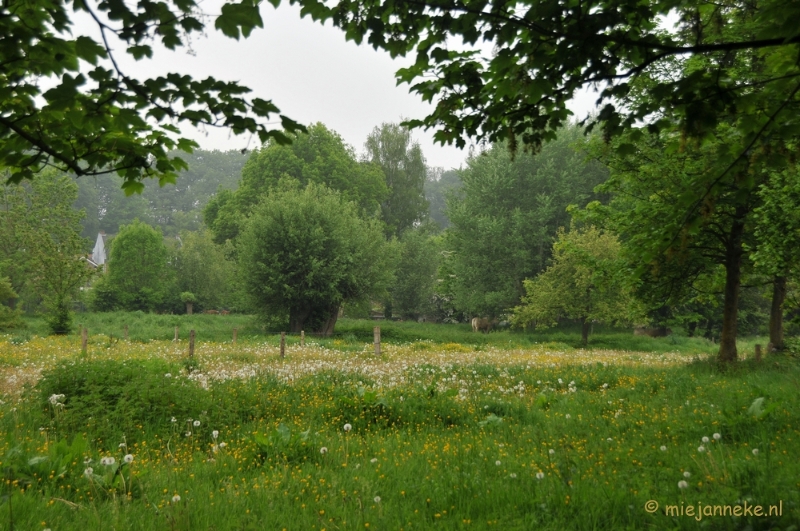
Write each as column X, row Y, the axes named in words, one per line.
column 311, row 73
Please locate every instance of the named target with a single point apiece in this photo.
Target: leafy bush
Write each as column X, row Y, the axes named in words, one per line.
column 109, row 399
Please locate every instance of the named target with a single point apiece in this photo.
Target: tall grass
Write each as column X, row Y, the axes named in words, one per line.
column 562, row 445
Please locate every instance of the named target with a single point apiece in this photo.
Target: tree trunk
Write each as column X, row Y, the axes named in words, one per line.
column 733, row 281
column 297, row 319
column 776, row 313
column 585, row 331
column 189, row 308
column 326, row 330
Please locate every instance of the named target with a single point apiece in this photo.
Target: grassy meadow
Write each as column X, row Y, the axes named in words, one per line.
column 448, row 429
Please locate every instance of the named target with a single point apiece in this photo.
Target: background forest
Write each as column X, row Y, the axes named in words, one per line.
column 301, row 234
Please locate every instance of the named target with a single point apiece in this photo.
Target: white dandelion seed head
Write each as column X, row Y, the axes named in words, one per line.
column 176, row 498
column 373, row 460
column 701, row 449
column 196, row 423
column 663, row 448
column 88, row 472
column 215, row 434
column 323, row 450
column 123, row 445
column 107, row 461
column 128, row 458
column 540, row 475
column 188, row 434
column 717, row 436
column 512, row 475
column 173, row 420
column 610, row 439
column 498, row 463
column 605, row 386
column 168, row 375
column 687, row 474
column 223, row 444
column 377, row 499
column 567, row 416
column 348, row 427
column 755, row 451
column 705, row 440
column 682, row 484
column 551, row 451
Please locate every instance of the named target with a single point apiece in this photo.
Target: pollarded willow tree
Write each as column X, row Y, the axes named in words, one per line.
column 305, row 251
column 587, row 281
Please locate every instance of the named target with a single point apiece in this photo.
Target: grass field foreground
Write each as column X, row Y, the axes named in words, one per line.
column 133, row 435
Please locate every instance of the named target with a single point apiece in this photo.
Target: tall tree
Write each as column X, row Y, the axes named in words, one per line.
column 319, row 156
column 68, row 103
column 305, row 252
column 654, row 189
column 505, row 217
column 44, row 252
column 390, row 146
column 777, row 232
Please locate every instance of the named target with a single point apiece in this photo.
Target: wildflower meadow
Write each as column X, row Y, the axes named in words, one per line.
column 134, row 435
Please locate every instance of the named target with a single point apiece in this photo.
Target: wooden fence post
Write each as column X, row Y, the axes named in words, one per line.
column 191, row 343
column 126, row 332
column 376, row 338
column 84, row 339
column 176, row 334
column 283, row 345
column 235, row 332
column 302, row 338
column 758, row 353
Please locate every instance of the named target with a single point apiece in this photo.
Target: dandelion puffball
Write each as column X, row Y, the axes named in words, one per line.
column 687, row 474
column 755, row 451
column 497, row 463
column 540, row 475
column 377, row 499
column 373, row 460
column 323, row 450
column 176, row 498
column 215, row 434
column 663, row 448
column 551, row 451
column 88, row 472
column 348, row 427
column 682, row 484
column 705, row 440
column 128, row 458
column 196, row 423
column 701, row 449
column 717, row 436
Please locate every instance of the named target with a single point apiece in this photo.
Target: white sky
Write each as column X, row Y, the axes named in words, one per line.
column 311, row 73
